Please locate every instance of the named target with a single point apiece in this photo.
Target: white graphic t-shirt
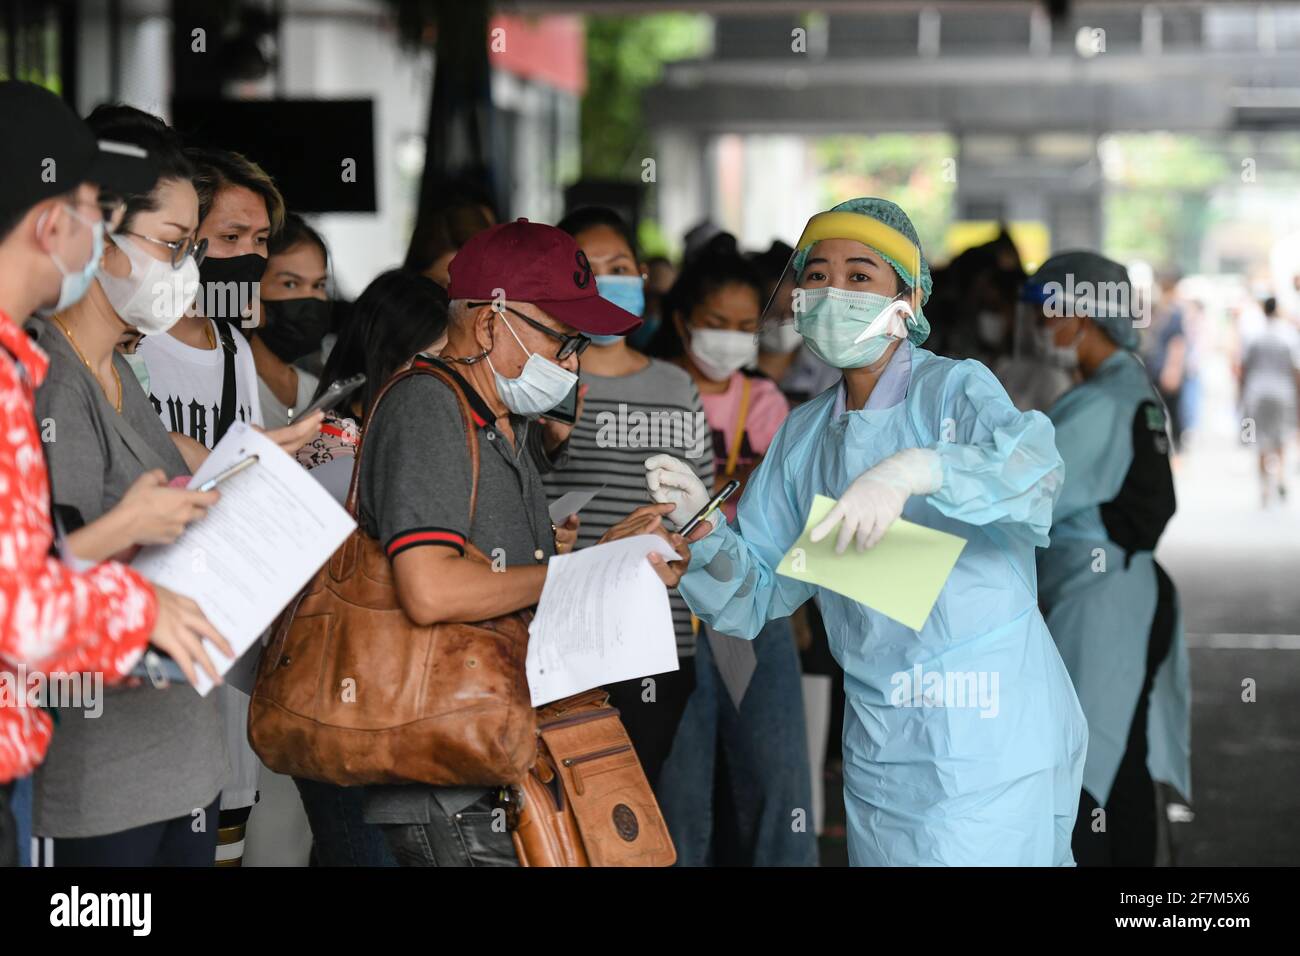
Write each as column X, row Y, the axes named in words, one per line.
column 185, row 384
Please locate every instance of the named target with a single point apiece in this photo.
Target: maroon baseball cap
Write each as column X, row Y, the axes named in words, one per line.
column 536, row 263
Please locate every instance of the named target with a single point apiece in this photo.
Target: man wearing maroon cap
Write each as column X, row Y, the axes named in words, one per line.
column 522, row 296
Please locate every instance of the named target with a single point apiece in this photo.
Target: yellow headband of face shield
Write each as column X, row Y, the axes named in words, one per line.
column 869, row 232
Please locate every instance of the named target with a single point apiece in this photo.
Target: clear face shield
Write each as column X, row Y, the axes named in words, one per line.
column 842, row 292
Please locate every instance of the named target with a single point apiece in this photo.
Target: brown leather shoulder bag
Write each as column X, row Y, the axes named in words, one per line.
column 352, row 691
column 586, row 801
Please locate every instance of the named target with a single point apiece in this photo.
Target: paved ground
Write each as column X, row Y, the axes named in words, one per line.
column 1237, row 569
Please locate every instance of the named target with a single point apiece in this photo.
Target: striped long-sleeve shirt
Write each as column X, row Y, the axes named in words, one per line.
column 625, row 420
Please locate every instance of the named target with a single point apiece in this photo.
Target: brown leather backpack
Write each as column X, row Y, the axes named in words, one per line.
column 351, row 691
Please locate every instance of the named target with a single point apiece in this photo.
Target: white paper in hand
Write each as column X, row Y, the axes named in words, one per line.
column 570, row 503
column 244, row 561
column 603, row 617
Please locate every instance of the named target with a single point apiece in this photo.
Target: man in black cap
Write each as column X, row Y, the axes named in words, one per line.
column 55, row 620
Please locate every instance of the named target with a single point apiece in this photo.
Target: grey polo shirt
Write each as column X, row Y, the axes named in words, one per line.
column 414, row 493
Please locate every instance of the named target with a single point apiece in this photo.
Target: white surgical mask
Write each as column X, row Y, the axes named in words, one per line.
column 153, row 296
column 782, row 337
column 1064, row 357
column 990, row 327
column 540, row 386
column 720, row 352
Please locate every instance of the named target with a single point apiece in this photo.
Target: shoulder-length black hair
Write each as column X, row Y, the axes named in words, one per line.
column 716, row 266
column 126, row 124
column 397, row 315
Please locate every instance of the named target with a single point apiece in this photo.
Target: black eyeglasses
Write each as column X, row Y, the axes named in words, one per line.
column 569, row 344
column 180, row 248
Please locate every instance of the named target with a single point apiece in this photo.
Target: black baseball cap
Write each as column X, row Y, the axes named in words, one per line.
column 49, row 151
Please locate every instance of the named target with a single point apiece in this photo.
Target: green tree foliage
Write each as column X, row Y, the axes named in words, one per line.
column 625, row 56
column 911, row 169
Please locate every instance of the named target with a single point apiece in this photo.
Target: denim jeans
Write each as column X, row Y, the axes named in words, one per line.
column 172, row 842
column 340, row 837
column 8, row 827
column 760, row 811
column 21, row 799
column 457, row 834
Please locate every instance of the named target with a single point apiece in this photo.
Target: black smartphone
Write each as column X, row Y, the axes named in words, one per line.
column 331, row 397
column 713, row 504
column 567, row 410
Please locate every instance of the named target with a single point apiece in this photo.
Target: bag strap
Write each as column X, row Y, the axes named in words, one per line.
column 448, row 378
column 229, row 396
column 741, row 417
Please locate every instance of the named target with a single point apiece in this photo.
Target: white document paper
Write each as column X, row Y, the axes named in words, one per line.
column 570, row 503
column 244, row 561
column 603, row 617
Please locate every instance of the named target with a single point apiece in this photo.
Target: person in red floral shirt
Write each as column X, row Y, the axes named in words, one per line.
column 55, row 620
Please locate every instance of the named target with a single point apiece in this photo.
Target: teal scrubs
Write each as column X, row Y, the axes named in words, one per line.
column 1099, row 593
column 988, row 774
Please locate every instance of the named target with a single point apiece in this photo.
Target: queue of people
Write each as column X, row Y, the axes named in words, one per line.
column 796, row 372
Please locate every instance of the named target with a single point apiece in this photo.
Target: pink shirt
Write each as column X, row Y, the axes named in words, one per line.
column 767, row 410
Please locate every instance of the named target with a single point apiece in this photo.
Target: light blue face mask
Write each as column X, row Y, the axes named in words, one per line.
column 847, row 329
column 77, row 283
column 626, row 292
column 139, row 367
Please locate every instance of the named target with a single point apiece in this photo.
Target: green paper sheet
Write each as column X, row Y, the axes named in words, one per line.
column 900, row 577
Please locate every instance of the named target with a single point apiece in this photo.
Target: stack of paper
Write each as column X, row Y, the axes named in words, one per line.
column 244, row 560
column 603, row 617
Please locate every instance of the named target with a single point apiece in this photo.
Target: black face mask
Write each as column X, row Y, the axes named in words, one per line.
column 294, row 327
column 220, row 299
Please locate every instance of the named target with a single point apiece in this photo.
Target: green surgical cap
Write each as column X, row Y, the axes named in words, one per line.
column 1101, row 287
column 892, row 215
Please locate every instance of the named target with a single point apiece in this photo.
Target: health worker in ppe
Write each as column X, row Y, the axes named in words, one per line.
column 963, row 741
column 1110, row 606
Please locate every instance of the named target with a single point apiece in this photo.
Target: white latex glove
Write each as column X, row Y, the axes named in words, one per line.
column 671, row 481
column 875, row 499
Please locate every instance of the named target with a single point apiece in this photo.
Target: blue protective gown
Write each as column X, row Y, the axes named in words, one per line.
column 1101, row 620
column 959, row 785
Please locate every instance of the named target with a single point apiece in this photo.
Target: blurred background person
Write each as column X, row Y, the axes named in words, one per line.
column 1169, row 354
column 1270, row 390
column 1111, row 608
column 660, row 276
column 460, row 213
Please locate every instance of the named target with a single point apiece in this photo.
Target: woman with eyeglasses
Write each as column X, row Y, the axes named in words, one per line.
column 133, row 781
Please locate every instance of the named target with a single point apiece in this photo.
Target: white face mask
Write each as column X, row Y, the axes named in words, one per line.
column 153, row 296
column 540, row 386
column 720, row 352
column 990, row 327
column 783, row 337
column 1065, row 357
